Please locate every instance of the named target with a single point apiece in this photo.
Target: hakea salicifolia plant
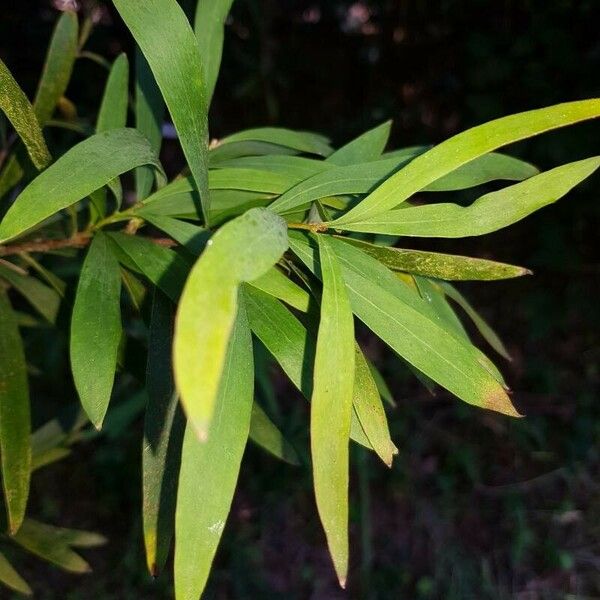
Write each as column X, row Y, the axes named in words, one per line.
column 270, row 234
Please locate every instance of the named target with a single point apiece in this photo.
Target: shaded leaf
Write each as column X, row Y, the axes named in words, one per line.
column 209, row 470
column 84, row 168
column 192, row 237
column 274, row 282
column 96, row 329
column 10, row 578
column 367, row 146
column 265, row 434
column 15, row 426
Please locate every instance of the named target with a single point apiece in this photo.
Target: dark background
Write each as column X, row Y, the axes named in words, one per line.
column 476, row 505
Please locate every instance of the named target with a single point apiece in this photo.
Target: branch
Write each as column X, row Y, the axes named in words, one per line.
column 79, row 240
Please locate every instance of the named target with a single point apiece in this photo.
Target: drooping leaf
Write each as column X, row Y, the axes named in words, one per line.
column 418, row 339
column 176, row 63
column 265, row 434
column 44, row 299
column 149, row 114
column 290, row 344
column 437, row 265
column 16, row 106
column 301, row 141
column 49, row 543
column 15, row 426
column 84, row 168
column 209, row 470
column 241, row 250
column 209, row 25
column 161, row 266
column 488, row 334
column 464, row 147
column 351, row 179
column 10, row 578
column 164, row 425
column 331, row 408
column 96, row 329
column 367, row 146
column 488, row 213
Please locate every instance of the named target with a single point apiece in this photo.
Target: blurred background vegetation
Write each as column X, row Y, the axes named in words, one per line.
column 476, row 505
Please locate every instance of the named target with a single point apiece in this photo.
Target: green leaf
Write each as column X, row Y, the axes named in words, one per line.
column 489, row 167
column 464, row 147
column 161, row 266
column 44, row 299
column 265, row 434
column 16, row 106
column 438, row 265
column 297, row 167
column 209, row 25
column 113, row 107
column 241, row 250
column 84, row 168
column 252, row 180
column 233, row 150
column 15, row 427
column 209, row 470
column 190, row 236
column 176, row 63
column 367, row 146
column 331, row 408
column 10, row 578
column 58, row 66
column 96, row 329
column 418, row 339
column 488, row 213
column 351, row 179
column 302, row 141
column 292, row 346
column 49, row 543
column 274, row 282
column 164, row 425
column 488, row 334
column 370, row 411
column 149, row 114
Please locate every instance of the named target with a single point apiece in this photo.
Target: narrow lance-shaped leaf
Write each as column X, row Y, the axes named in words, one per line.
column 164, row 425
column 419, row 340
column 209, row 470
column 488, row 213
column 175, row 61
column 331, row 408
column 274, row 282
column 15, row 426
column 10, row 578
column 464, row 147
column 265, row 434
column 209, row 25
column 96, row 329
column 437, row 265
column 190, row 236
column 84, row 168
column 149, row 114
column 367, row 146
column 241, row 250
column 16, row 106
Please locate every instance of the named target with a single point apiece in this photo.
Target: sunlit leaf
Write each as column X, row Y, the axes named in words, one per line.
column 464, row 147
column 209, row 470
column 367, row 146
column 176, row 63
column 488, row 213
column 274, row 282
column 241, row 250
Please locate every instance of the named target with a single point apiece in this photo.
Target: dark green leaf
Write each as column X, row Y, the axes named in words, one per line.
column 15, row 427
column 96, row 329
column 10, row 578
column 265, row 434
column 367, row 146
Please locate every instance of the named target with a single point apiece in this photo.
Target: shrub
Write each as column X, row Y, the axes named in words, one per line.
column 268, row 235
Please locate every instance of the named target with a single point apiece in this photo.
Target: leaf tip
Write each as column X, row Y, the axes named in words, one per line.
column 498, row 400
column 342, row 581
